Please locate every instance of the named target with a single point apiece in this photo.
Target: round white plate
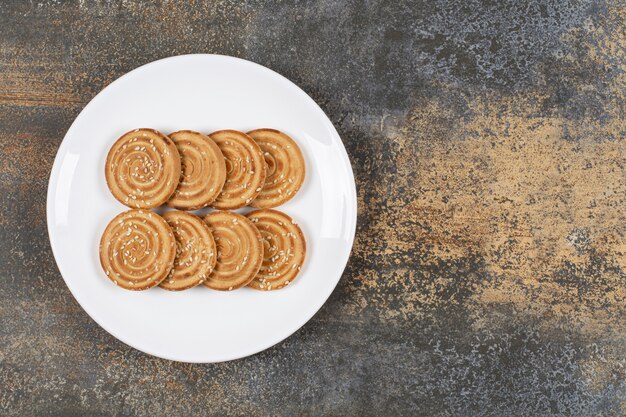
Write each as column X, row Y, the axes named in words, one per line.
column 204, row 93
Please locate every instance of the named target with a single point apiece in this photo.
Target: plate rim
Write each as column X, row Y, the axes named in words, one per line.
column 54, row 177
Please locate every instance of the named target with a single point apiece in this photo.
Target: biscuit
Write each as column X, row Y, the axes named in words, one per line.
column 203, row 171
column 137, row 249
column 142, row 168
column 285, row 168
column 284, row 249
column 245, row 169
column 239, row 250
column 195, row 251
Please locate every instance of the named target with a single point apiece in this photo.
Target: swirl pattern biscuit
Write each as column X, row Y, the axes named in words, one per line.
column 137, row 249
column 245, row 169
column 142, row 168
column 285, row 168
column 195, row 251
column 203, row 171
column 239, row 250
column 284, row 249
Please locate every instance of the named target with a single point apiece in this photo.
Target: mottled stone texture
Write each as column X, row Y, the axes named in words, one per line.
column 488, row 140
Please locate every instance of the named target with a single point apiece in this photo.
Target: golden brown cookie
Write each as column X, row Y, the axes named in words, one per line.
column 284, row 249
column 245, row 169
column 285, row 168
column 142, row 168
column 239, row 250
column 195, row 251
column 203, row 171
column 137, row 249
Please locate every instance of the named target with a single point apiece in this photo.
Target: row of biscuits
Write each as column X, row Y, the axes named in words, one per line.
column 187, row 170
column 224, row 251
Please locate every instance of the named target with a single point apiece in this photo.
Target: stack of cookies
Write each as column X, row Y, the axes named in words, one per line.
column 187, row 171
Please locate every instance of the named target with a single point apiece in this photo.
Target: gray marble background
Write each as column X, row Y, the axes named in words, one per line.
column 488, row 144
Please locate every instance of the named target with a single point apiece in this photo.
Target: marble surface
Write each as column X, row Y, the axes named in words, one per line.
column 488, row 140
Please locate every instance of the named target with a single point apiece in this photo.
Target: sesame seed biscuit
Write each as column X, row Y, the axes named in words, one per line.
column 137, row 249
column 284, row 249
column 284, row 165
column 195, row 251
column 245, row 169
column 203, row 171
column 239, row 250
column 142, row 168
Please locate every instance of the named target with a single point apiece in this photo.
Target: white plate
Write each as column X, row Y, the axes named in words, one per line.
column 204, row 93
